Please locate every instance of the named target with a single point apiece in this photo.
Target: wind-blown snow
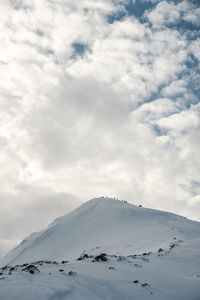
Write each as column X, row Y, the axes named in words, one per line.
column 160, row 250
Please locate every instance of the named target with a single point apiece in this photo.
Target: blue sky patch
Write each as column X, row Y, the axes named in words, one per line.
column 132, row 8
column 79, row 49
column 138, row 7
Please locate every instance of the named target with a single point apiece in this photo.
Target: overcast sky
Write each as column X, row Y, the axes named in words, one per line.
column 97, row 97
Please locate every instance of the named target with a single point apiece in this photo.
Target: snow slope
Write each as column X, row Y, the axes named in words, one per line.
column 114, row 226
column 160, row 250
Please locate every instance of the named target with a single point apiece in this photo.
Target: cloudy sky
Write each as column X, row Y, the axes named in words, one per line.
column 97, row 97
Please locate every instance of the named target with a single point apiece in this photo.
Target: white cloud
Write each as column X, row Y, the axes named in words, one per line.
column 195, row 48
column 170, row 13
column 182, row 121
column 155, row 110
column 193, row 16
column 175, row 88
column 165, row 13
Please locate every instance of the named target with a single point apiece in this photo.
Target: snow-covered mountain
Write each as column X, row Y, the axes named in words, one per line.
column 107, row 249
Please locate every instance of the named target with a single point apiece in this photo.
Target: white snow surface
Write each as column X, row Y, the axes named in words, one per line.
column 160, row 250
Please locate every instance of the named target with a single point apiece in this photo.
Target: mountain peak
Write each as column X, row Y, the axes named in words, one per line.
column 104, row 201
column 101, row 224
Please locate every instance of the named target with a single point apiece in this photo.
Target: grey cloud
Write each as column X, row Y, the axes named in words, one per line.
column 74, row 122
column 25, row 209
column 20, row 4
